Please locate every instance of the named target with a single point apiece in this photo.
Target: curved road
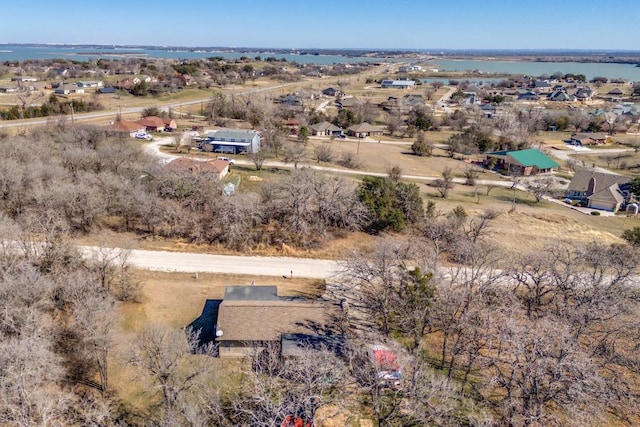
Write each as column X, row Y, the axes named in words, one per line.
column 154, row 148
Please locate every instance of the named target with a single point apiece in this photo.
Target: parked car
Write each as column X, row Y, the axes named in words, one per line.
column 341, row 136
column 142, row 135
column 227, row 159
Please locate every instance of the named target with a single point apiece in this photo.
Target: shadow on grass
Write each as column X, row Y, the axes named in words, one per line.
column 521, row 201
column 207, row 321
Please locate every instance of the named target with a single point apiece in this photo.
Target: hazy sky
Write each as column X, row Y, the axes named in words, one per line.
column 409, row 24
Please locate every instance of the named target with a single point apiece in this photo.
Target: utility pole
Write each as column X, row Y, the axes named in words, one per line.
column 72, row 115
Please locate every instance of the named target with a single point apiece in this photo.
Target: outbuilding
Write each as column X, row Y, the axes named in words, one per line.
column 233, row 141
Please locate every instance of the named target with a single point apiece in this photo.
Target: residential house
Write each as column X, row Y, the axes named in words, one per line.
column 599, row 190
column 541, row 86
column 584, row 94
column 217, row 168
column 169, row 124
column 233, row 141
column 397, row 84
column 154, row 123
column 293, row 125
column 364, row 129
column 528, row 96
column 616, row 93
column 330, row 91
column 561, row 96
column 589, row 138
column 8, row 89
column 412, row 101
column 522, row 162
column 187, row 80
column 349, row 103
column 125, row 84
column 325, row 129
column 62, row 72
column 613, row 128
column 128, row 127
column 254, row 316
column 67, row 89
column 409, row 68
column 107, row 90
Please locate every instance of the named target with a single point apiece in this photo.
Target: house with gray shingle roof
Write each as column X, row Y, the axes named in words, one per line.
column 587, row 138
column 325, row 128
column 599, row 190
column 252, row 316
column 561, row 96
column 364, row 129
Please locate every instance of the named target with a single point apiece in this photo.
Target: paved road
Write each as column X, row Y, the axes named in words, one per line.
column 110, row 113
column 250, row 265
column 575, row 152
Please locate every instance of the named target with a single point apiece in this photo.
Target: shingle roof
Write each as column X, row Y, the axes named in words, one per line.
column 580, row 180
column 589, row 135
column 267, row 320
column 126, row 126
column 364, row 127
column 611, row 194
column 184, row 164
column 325, row 126
column 152, row 121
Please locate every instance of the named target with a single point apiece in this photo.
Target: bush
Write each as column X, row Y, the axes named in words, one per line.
column 595, row 213
column 349, row 160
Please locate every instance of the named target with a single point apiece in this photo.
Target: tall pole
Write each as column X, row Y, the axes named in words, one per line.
column 72, row 115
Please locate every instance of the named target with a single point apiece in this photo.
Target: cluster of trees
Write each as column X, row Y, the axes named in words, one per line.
column 86, row 176
column 57, row 325
column 547, row 338
column 53, row 106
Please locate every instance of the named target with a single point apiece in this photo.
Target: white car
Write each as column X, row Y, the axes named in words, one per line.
column 227, row 159
column 142, row 136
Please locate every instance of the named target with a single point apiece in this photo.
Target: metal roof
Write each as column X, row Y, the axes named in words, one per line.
column 530, row 157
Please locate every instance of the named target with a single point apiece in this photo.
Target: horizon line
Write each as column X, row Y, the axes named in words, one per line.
column 373, row 49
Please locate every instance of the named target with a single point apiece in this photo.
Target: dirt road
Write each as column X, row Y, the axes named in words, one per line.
column 250, row 265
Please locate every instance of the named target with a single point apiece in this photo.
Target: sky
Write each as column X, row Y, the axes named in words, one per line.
column 300, row 24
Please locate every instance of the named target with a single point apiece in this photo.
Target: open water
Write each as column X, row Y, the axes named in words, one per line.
column 590, row 70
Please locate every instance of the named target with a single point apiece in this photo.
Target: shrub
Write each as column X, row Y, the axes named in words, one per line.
column 349, row 160
column 595, row 213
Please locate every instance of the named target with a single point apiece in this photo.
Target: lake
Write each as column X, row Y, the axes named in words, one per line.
column 590, row 70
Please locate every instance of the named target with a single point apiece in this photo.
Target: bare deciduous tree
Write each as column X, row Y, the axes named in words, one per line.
column 445, row 183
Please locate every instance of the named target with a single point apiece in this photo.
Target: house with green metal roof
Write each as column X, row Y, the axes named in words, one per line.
column 521, row 162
